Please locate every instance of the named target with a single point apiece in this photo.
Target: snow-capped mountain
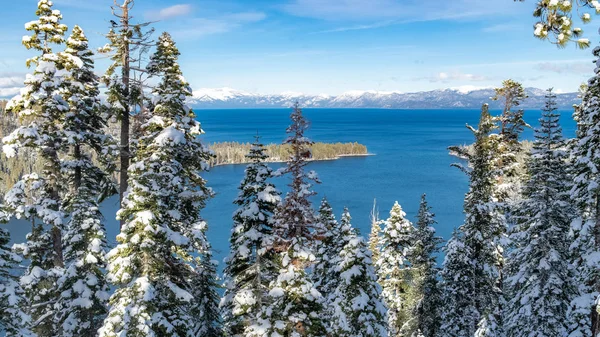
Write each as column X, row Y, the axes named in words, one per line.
column 473, row 98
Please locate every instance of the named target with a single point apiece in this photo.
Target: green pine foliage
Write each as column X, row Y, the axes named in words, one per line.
column 252, row 263
column 396, row 273
column 152, row 265
column 459, row 314
column 203, row 287
column 357, row 309
column 480, row 237
column 41, row 109
column 540, row 285
column 585, row 193
column 330, row 243
column 483, row 228
column 296, row 308
column 14, row 321
column 424, row 250
column 81, row 306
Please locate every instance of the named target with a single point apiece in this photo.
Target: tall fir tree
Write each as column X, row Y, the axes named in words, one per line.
column 511, row 174
column 585, row 193
column 152, row 265
column 484, row 227
column 14, row 322
column 127, row 47
column 357, row 309
column 296, row 308
column 396, row 272
column 424, row 250
column 41, row 109
column 329, row 246
column 251, row 264
column 459, row 315
column 540, row 285
column 203, row 286
column 82, row 303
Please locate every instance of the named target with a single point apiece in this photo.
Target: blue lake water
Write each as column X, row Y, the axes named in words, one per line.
column 411, row 158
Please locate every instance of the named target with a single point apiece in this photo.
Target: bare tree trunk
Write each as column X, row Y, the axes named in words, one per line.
column 124, row 154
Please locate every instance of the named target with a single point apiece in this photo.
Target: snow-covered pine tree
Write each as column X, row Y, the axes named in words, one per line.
column 375, row 234
column 296, row 308
column 251, row 264
column 41, row 109
column 203, row 286
column 152, row 264
column 396, row 273
column 83, row 290
column 423, row 254
column 585, row 194
column 459, row 315
column 39, row 280
column 357, row 310
column 328, row 248
column 483, row 228
column 540, row 284
column 511, row 126
column 14, row 322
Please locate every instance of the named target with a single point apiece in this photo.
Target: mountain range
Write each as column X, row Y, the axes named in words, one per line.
column 227, row 98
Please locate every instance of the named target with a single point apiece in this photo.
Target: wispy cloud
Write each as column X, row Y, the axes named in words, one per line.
column 11, row 83
column 570, row 68
column 445, row 77
column 505, row 27
column 170, row 12
column 198, row 27
column 368, row 10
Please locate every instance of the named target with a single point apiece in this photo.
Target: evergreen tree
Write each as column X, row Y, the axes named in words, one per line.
column 585, row 194
column 14, row 322
column 152, row 263
column 423, row 258
column 330, row 244
column 555, row 21
column 205, row 307
column 483, row 229
column 251, row 264
column 540, row 285
column 83, row 289
column 459, row 314
column 41, row 109
column 357, row 308
column 511, row 126
column 396, row 272
column 296, row 308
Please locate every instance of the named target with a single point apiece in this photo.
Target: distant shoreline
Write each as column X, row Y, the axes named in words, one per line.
column 341, row 156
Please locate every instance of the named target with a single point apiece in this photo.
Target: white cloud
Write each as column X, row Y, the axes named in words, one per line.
column 9, row 92
column 10, row 84
column 199, row 27
column 170, row 12
column 569, row 68
column 445, row 77
column 10, row 80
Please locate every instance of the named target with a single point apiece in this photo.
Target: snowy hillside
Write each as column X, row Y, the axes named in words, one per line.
column 437, row 99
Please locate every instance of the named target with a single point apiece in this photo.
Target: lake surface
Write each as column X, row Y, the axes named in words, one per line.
column 411, row 158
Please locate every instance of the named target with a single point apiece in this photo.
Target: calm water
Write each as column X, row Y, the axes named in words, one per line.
column 410, row 159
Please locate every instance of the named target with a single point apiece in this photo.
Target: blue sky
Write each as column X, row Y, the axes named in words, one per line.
column 331, row 46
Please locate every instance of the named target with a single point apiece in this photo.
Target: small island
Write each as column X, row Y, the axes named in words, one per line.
column 227, row 153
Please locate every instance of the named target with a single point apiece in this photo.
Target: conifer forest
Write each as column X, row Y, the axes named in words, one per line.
column 525, row 262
